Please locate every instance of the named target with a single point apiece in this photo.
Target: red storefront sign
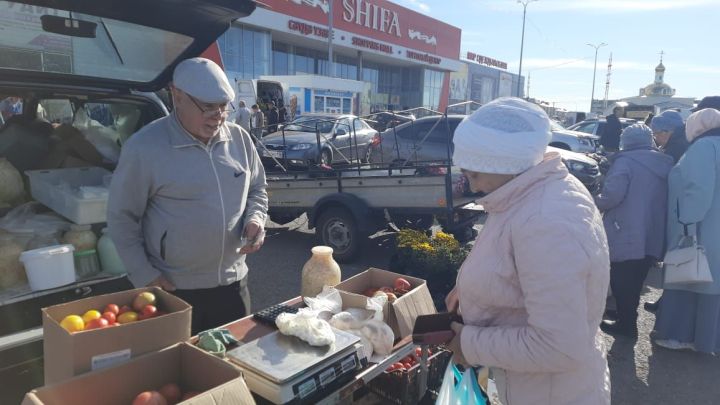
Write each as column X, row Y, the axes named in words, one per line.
column 380, row 20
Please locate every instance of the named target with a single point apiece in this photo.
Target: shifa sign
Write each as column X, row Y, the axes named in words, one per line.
column 369, row 15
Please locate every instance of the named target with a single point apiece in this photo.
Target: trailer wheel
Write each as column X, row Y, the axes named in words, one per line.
column 325, row 157
column 338, row 229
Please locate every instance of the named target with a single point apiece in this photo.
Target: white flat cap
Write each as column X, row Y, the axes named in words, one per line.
column 204, row 80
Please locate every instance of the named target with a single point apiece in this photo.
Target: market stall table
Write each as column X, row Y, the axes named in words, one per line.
column 248, row 329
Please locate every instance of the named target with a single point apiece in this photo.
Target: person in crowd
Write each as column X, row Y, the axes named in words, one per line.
column 649, row 119
column 689, row 314
column 282, row 113
column 634, row 202
column 669, row 132
column 257, row 121
column 243, row 116
column 273, row 117
column 188, row 189
column 610, row 138
column 10, row 106
column 708, row 102
column 532, row 291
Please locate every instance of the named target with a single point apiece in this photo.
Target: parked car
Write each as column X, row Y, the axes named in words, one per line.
column 596, row 126
column 343, row 139
column 384, row 120
column 573, row 140
column 404, row 145
column 96, row 67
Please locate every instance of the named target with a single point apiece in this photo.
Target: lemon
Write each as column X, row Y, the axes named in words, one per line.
column 73, row 323
column 90, row 315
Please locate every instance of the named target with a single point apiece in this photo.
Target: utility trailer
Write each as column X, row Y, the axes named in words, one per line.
column 348, row 202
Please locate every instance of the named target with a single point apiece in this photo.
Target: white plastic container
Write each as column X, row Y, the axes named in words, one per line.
column 49, row 267
column 78, row 194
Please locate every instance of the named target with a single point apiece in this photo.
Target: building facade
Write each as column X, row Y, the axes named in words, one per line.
column 404, row 56
column 482, row 79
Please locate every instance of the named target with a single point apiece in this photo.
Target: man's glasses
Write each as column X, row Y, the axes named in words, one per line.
column 222, row 110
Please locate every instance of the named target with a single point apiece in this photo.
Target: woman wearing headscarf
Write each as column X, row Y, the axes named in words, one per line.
column 532, row 291
column 669, row 131
column 634, row 205
column 689, row 314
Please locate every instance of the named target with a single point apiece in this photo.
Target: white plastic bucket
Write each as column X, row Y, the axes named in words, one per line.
column 49, row 267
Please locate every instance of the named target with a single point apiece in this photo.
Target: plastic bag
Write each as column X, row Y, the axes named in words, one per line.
column 306, row 326
column 24, row 222
column 460, row 388
column 329, row 300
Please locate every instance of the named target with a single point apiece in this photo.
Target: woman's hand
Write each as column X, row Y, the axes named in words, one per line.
column 452, row 302
column 455, row 347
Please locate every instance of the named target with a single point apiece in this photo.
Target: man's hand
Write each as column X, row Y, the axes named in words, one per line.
column 163, row 283
column 255, row 237
column 455, row 346
column 452, row 302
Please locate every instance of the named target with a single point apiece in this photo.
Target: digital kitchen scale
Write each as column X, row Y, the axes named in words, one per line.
column 284, row 369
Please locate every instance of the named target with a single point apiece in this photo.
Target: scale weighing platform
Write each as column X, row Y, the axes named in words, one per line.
column 284, row 369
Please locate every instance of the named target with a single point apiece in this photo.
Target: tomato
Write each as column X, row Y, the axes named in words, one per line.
column 149, row 398
column 112, row 308
column 123, row 309
column 90, row 315
column 402, row 284
column 98, row 323
column 171, row 392
column 397, row 366
column 387, row 290
column 149, row 311
column 407, row 366
column 73, row 323
column 127, row 317
column 110, row 316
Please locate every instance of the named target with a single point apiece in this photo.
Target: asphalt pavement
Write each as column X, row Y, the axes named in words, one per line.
column 641, row 372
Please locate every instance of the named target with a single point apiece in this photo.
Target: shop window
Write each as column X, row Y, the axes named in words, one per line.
column 346, row 105
column 319, row 104
column 245, row 52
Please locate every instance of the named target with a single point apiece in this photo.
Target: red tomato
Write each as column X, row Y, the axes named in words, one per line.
column 407, row 366
column 149, row 398
column 397, row 366
column 112, row 308
column 110, row 316
column 171, row 392
column 123, row 309
column 402, row 284
column 98, row 323
column 149, row 311
column 386, row 290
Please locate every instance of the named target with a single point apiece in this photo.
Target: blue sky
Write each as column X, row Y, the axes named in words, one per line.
column 557, row 32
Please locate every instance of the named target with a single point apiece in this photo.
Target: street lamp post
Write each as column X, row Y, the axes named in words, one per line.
column 522, row 40
column 598, row 46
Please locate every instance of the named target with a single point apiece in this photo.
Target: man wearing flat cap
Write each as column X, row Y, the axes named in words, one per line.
column 188, row 200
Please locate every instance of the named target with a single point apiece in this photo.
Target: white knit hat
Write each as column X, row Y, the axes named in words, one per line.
column 700, row 122
column 505, row 136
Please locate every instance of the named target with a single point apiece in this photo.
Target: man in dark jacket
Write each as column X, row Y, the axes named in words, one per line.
column 610, row 138
column 282, row 113
column 273, row 117
column 669, row 132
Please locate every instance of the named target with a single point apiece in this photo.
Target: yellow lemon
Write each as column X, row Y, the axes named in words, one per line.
column 90, row 315
column 72, row 323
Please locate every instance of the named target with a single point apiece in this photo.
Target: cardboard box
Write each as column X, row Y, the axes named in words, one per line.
column 194, row 370
column 401, row 314
column 69, row 354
